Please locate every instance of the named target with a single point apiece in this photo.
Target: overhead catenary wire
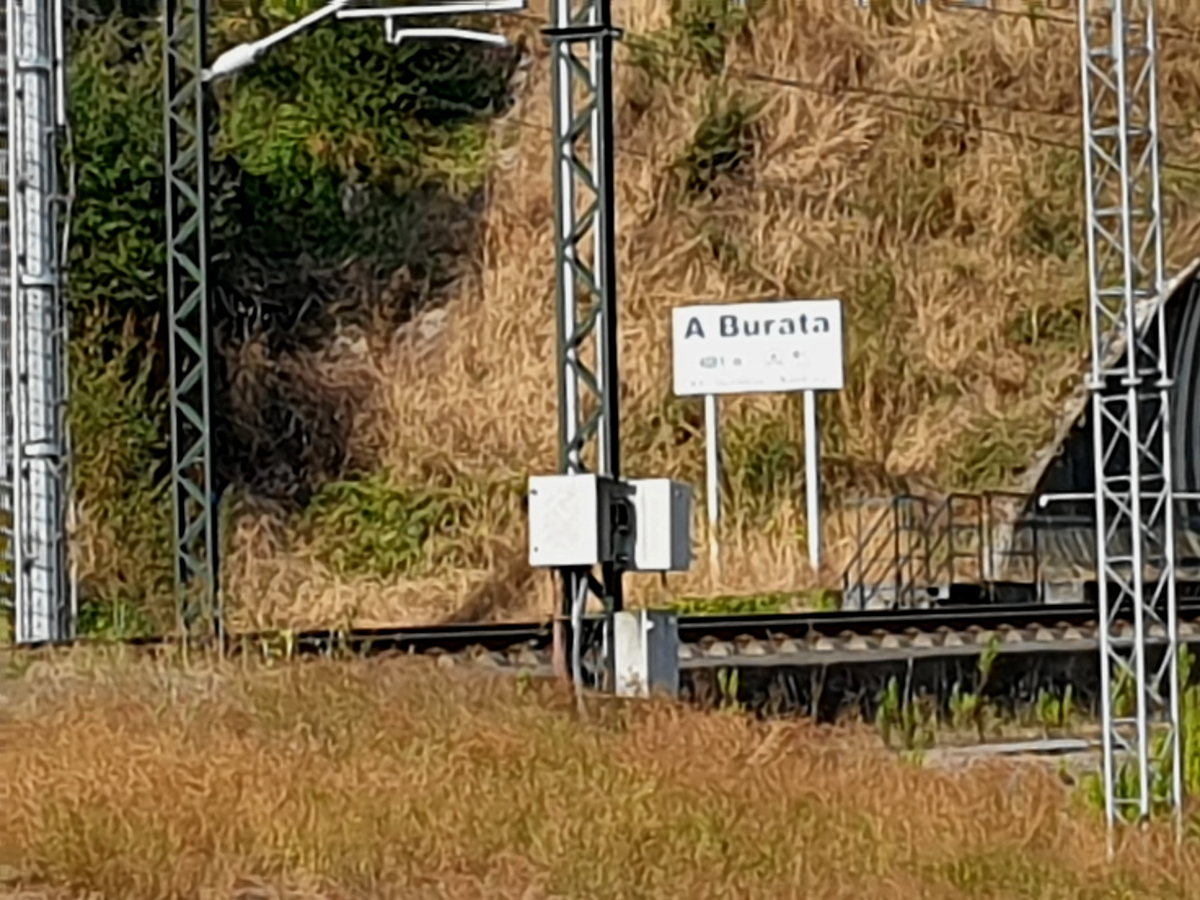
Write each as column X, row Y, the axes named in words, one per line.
column 1036, row 15
column 876, row 97
column 928, row 118
column 739, row 73
column 1031, row 15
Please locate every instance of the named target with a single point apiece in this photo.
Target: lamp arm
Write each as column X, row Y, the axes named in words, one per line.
column 236, row 58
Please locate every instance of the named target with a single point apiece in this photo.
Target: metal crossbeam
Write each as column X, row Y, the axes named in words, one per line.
column 187, row 150
column 33, row 377
column 1130, row 408
column 581, row 42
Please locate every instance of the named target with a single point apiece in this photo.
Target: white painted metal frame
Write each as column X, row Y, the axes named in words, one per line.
column 1130, row 389
column 34, row 388
column 1130, row 411
column 395, row 34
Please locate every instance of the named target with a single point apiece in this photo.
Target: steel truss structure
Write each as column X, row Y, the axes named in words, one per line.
column 1130, row 387
column 1135, row 516
column 34, row 477
column 581, row 40
column 188, row 296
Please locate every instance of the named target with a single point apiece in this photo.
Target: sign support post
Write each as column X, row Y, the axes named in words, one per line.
column 712, row 482
column 812, row 479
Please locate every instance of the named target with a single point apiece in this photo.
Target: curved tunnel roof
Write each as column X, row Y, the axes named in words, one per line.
column 1065, row 463
column 1064, row 532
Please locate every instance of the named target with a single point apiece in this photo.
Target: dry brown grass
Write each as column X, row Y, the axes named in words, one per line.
column 397, row 780
column 965, row 332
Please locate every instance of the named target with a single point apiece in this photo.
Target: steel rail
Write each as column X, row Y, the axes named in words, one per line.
column 789, row 639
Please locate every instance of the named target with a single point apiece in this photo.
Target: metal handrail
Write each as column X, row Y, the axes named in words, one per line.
column 864, row 541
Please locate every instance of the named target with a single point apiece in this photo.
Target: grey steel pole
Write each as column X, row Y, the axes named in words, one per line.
column 188, row 257
column 581, row 40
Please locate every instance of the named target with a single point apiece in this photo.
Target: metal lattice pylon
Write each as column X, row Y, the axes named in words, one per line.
column 581, row 41
column 33, row 378
column 196, row 562
column 1130, row 383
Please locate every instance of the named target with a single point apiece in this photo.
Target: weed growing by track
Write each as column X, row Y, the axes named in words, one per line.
column 915, row 723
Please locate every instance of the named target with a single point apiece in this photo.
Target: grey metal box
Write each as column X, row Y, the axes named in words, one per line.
column 579, row 520
column 646, row 653
column 662, row 526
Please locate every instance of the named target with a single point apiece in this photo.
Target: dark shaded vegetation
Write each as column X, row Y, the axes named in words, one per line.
column 345, row 192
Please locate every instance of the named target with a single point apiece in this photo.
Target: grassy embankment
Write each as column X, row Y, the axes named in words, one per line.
column 377, row 462
column 957, row 250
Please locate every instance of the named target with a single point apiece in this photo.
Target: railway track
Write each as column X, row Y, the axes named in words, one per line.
column 820, row 664
column 768, row 640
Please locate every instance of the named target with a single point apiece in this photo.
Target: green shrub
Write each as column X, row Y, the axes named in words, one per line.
column 723, row 144
column 706, row 28
column 699, row 37
column 369, row 527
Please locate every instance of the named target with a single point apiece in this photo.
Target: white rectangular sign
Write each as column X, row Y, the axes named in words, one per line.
column 755, row 348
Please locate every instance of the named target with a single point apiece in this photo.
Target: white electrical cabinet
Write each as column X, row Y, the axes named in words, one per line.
column 564, row 520
column 643, row 525
column 662, row 525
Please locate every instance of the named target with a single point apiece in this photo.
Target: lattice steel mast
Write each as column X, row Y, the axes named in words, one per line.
column 1130, row 384
column 581, row 40
column 34, row 464
column 7, row 529
column 1135, row 520
column 187, row 149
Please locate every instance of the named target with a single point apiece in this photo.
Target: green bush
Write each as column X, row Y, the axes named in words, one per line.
column 699, row 37
column 369, row 527
column 116, row 293
column 724, row 141
column 374, row 527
